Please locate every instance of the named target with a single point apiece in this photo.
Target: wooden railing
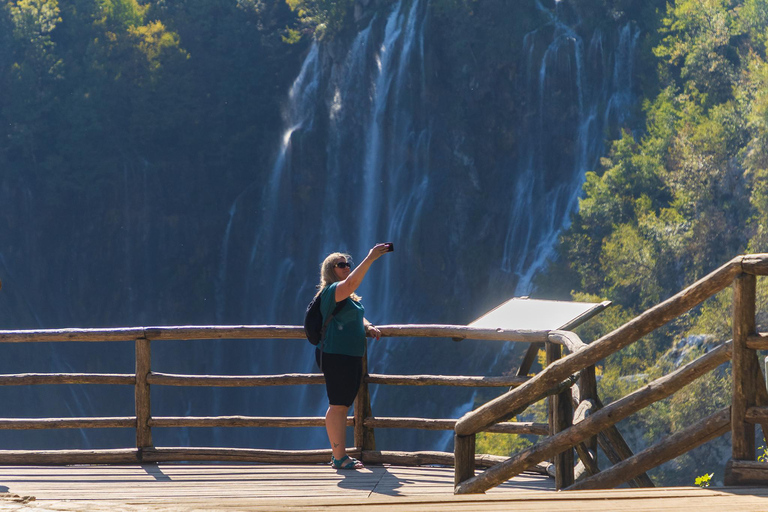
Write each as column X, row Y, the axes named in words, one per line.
column 144, row 378
column 584, row 429
column 749, row 401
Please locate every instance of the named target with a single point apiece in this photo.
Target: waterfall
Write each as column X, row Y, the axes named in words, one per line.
column 355, row 165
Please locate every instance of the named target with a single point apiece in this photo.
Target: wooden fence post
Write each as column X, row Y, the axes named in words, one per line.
column 744, row 369
column 143, row 414
column 560, row 418
column 364, row 436
column 463, row 458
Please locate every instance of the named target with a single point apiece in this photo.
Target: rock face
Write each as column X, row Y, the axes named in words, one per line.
column 424, row 131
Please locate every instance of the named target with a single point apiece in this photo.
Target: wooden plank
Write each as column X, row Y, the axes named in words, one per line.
column 744, row 370
column 598, row 421
column 625, row 335
column 673, row 446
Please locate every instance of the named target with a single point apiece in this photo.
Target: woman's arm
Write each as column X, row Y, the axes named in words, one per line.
column 346, row 287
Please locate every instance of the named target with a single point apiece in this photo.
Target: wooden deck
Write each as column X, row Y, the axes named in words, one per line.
column 198, row 487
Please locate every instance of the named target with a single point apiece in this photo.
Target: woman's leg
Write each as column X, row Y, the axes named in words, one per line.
column 336, row 425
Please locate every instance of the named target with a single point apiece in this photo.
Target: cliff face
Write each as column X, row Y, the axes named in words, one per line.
column 460, row 131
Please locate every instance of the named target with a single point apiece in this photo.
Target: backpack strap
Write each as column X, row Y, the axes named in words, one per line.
column 339, row 307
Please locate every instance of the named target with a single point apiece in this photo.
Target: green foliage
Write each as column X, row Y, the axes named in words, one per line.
column 672, row 202
column 325, row 18
column 704, row 480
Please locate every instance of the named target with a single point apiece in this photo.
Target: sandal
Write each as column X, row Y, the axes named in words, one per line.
column 341, row 464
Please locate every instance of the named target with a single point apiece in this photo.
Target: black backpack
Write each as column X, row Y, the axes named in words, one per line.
column 314, row 327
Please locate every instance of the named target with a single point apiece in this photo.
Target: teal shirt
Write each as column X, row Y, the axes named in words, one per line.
column 346, row 332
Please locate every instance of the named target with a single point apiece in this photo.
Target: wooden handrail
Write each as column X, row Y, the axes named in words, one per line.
column 31, row 379
column 487, row 414
column 598, row 421
column 255, row 332
column 512, row 427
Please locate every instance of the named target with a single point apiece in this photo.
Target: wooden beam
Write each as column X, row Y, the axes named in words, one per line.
column 33, row 379
column 142, row 394
column 560, row 419
column 673, row 446
column 240, row 421
column 528, row 359
column 755, row 264
column 214, row 332
column 68, row 457
column 512, row 427
column 423, row 458
column 56, row 423
column 744, row 370
column 464, row 454
column 365, row 438
column 288, row 379
column 596, row 422
column 617, row 450
column 746, row 472
column 625, row 335
column 446, row 380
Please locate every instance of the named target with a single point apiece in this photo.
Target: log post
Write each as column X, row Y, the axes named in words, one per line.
column 744, row 368
column 560, row 419
column 364, row 436
column 143, row 414
column 464, row 458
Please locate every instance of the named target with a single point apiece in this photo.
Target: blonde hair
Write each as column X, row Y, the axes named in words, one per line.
column 328, row 276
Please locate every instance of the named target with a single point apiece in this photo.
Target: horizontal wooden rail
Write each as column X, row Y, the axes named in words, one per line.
column 241, row 455
column 167, row 379
column 239, row 421
column 757, row 415
column 446, row 380
column 205, row 332
column 758, row 341
column 45, row 423
column 597, row 421
column 756, row 264
column 171, row 454
column 513, row 427
column 423, row 458
column 487, row 414
column 27, row 379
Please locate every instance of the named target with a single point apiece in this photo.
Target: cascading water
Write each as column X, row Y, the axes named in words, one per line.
column 355, row 168
column 366, row 155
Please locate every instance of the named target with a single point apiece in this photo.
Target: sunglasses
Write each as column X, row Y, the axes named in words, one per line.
column 343, row 264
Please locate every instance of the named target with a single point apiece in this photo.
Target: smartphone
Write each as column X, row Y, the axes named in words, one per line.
column 390, row 246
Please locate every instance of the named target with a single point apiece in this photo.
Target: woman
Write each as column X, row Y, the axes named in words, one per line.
column 343, row 345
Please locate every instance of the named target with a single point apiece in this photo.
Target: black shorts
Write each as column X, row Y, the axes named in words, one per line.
column 343, row 375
